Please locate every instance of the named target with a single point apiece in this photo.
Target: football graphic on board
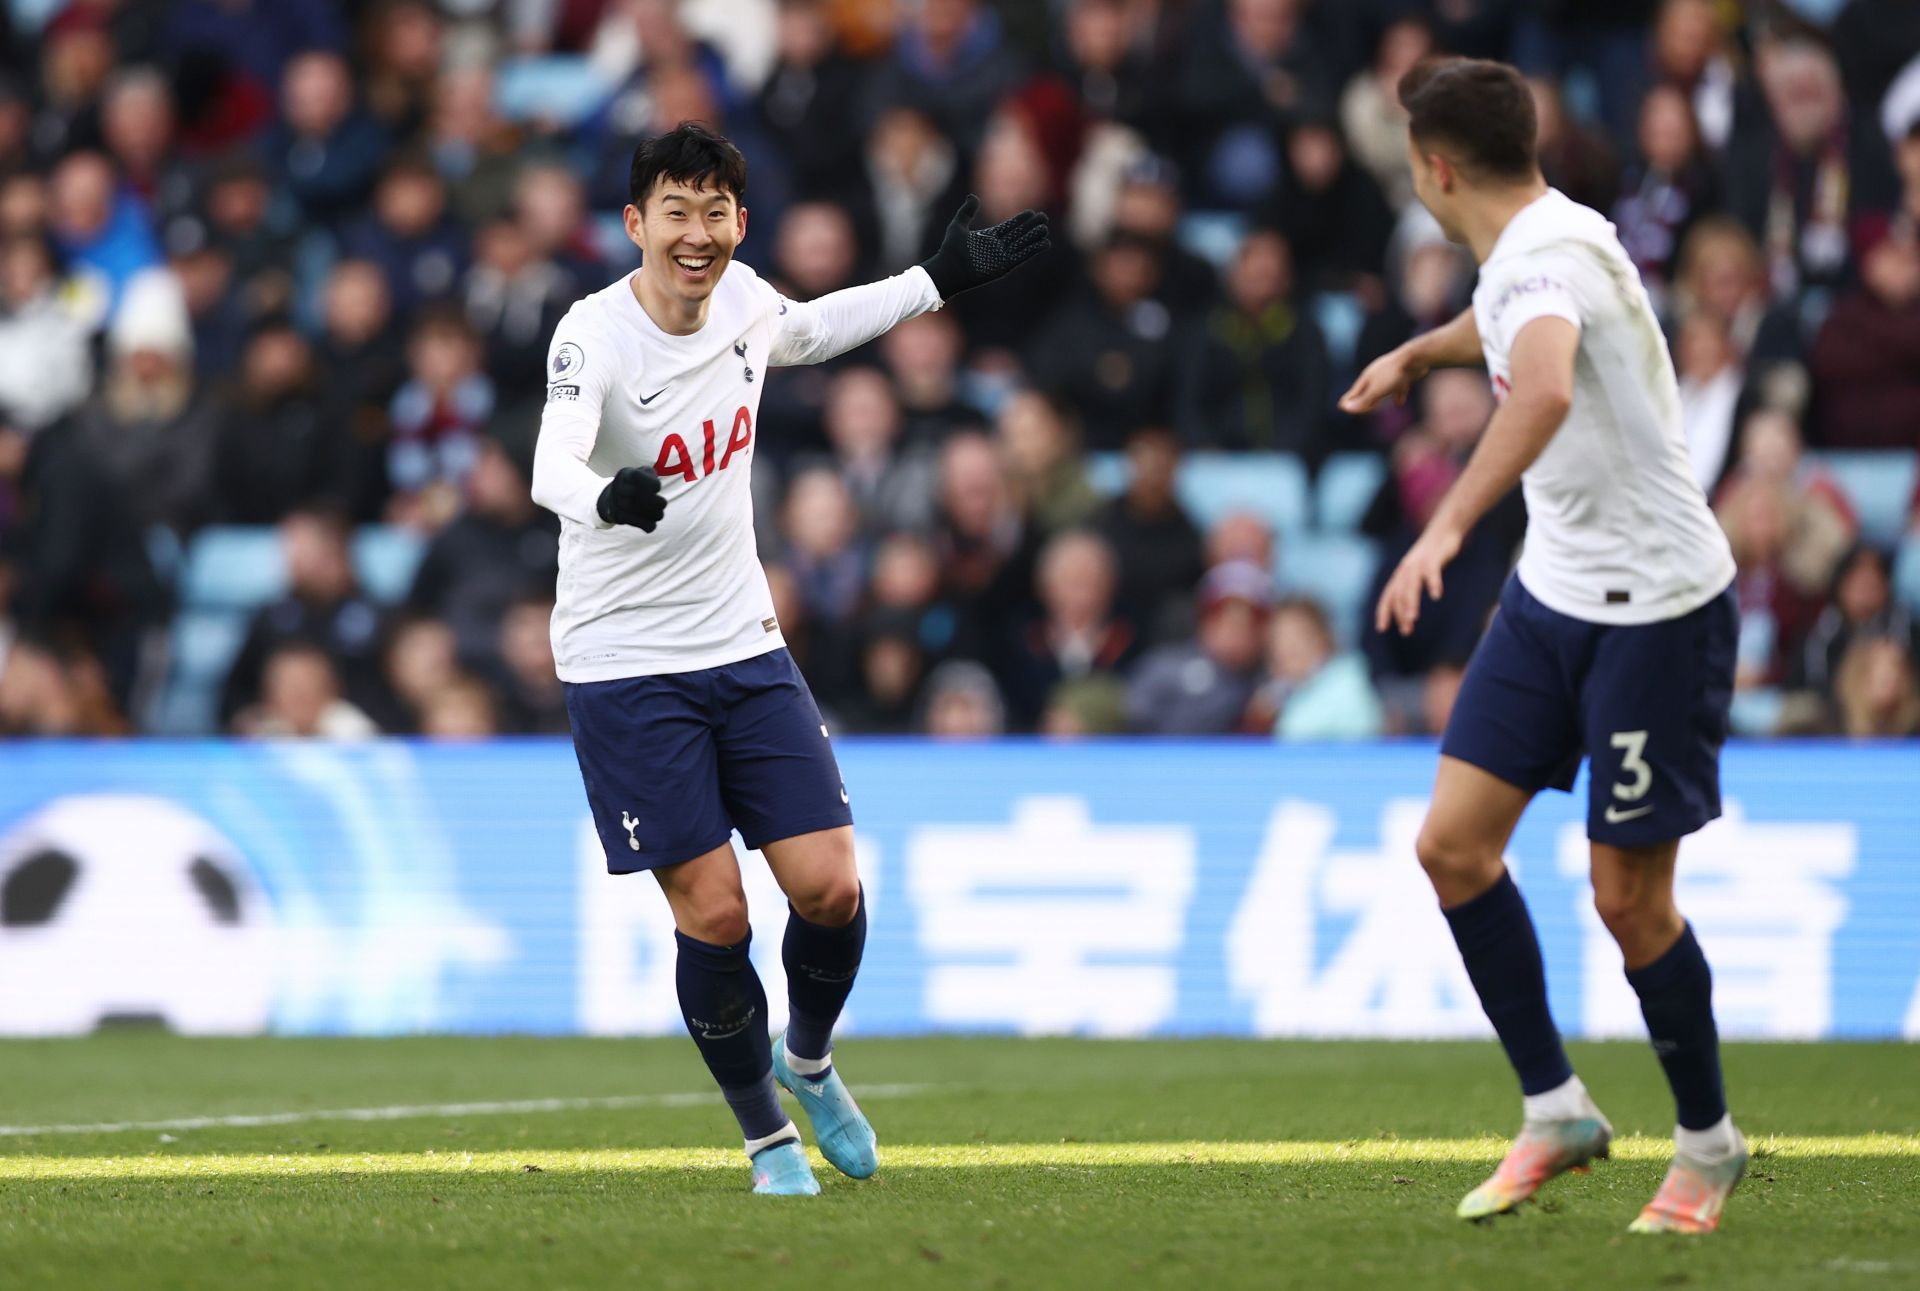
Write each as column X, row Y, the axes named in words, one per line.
column 124, row 907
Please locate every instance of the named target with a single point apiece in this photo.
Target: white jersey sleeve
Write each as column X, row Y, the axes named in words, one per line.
column 1544, row 288
column 570, row 423
column 818, row 330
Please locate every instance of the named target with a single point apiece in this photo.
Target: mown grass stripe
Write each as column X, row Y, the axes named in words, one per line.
column 909, row 1156
column 414, row 1111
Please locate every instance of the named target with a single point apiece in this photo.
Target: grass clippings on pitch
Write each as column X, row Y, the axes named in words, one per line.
column 1198, row 1164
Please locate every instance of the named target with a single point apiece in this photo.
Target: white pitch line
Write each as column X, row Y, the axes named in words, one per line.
column 410, row 1111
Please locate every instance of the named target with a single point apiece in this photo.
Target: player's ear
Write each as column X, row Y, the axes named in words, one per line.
column 740, row 225
column 634, row 222
column 1443, row 173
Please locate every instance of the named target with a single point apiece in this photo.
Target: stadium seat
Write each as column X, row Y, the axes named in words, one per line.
column 1880, row 486
column 1340, row 316
column 385, row 558
column 1108, row 473
column 233, row 567
column 1906, row 574
column 1345, row 488
column 204, row 645
column 558, row 87
column 1214, row 236
column 1756, row 713
column 1335, row 569
column 1271, row 485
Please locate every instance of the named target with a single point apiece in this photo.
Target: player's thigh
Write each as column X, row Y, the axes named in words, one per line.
column 1464, row 837
column 709, row 902
column 1517, row 716
column 818, row 873
column 778, row 775
column 650, row 765
column 1656, row 702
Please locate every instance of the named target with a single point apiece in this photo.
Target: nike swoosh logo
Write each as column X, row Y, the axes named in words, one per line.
column 649, row 398
column 1615, row 816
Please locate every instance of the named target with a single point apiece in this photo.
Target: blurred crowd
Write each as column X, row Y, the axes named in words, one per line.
column 295, row 263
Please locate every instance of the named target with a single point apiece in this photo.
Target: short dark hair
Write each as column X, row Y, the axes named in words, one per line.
column 690, row 154
column 1480, row 111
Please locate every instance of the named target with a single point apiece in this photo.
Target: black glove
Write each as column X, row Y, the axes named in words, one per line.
column 970, row 258
column 632, row 497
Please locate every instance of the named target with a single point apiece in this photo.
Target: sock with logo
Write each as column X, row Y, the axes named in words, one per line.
column 1502, row 954
column 1676, row 999
column 821, row 964
column 726, row 1012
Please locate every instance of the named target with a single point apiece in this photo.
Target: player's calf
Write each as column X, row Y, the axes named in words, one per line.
column 725, row 1008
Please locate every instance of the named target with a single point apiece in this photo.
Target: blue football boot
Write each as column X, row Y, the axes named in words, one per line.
column 783, row 1171
column 839, row 1127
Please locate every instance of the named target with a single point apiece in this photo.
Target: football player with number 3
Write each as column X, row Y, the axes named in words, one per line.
column 689, row 717
column 1613, row 640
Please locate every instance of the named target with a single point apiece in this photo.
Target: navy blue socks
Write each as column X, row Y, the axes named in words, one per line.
column 1676, row 999
column 821, row 964
column 1502, row 954
column 726, row 1011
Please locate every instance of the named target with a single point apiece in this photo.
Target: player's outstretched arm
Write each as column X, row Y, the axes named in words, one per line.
column 1542, row 363
column 1391, row 376
column 815, row 331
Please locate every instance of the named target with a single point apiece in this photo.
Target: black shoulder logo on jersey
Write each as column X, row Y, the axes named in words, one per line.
column 568, row 392
column 646, row 399
column 567, row 361
column 740, row 348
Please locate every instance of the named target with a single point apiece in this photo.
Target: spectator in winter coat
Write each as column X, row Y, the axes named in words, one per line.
column 1862, row 606
column 279, row 448
column 436, row 418
column 1202, row 687
column 365, row 364
column 1107, row 350
column 1256, row 376
column 323, row 609
column 100, row 229
column 1077, row 634
column 1866, row 361
column 411, row 235
column 150, row 425
column 1155, row 542
column 46, row 361
column 498, row 551
column 328, row 150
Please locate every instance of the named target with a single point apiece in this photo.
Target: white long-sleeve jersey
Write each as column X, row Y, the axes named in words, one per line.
column 622, row 392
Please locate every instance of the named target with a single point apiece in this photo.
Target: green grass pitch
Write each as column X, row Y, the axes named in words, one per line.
column 1005, row 1163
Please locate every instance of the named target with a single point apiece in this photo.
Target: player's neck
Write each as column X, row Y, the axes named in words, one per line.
column 1483, row 221
column 674, row 315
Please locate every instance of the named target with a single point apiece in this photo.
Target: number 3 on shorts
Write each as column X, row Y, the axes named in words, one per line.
column 1632, row 745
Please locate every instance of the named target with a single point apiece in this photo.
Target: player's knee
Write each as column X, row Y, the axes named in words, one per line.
column 720, row 918
column 1627, row 909
column 831, row 903
column 1452, row 862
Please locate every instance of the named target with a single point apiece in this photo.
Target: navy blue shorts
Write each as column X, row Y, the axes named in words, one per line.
column 675, row 763
column 1645, row 703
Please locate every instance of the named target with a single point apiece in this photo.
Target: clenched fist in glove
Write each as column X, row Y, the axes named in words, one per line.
column 632, row 497
column 970, row 258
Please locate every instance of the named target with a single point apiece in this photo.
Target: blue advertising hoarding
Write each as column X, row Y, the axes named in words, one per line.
column 1123, row 888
